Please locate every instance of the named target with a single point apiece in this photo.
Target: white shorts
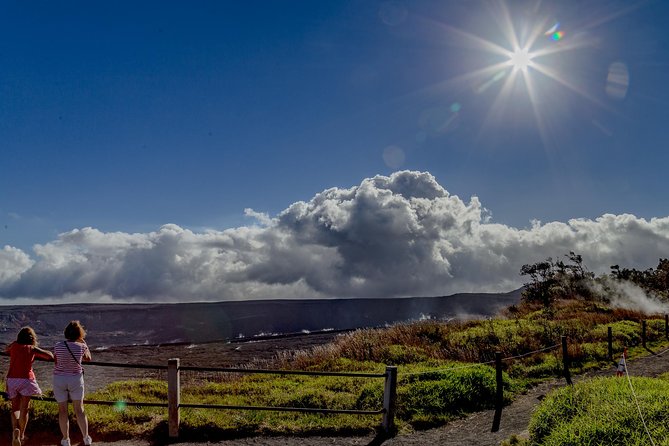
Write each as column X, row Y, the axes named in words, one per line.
column 68, row 387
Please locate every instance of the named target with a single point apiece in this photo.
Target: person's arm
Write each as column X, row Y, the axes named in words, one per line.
column 8, row 347
column 87, row 353
column 41, row 353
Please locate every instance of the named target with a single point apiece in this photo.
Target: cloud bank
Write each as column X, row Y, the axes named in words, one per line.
column 402, row 235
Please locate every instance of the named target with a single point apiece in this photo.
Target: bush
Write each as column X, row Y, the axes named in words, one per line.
column 448, row 393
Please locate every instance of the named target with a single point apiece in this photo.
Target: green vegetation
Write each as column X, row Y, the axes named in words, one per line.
column 427, row 397
column 445, row 370
column 603, row 412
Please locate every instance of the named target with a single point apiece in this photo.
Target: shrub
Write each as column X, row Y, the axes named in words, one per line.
column 447, row 393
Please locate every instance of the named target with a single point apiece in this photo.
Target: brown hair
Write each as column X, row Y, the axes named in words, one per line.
column 26, row 336
column 75, row 331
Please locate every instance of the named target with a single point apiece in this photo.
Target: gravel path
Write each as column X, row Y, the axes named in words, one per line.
column 474, row 430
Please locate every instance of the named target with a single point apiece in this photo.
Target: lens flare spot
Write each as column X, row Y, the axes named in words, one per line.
column 552, row 29
column 554, row 32
column 617, row 81
column 120, row 406
column 455, row 107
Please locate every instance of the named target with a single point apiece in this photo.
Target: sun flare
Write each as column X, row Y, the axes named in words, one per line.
column 521, row 59
column 524, row 69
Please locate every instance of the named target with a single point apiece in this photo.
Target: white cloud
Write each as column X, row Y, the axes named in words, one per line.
column 402, row 235
column 13, row 263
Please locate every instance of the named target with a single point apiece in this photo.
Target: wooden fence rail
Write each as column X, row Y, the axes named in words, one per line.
column 174, row 404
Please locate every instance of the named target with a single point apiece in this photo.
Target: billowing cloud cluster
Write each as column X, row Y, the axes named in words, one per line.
column 402, row 235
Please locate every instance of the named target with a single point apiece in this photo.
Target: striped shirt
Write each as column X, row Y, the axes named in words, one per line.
column 65, row 363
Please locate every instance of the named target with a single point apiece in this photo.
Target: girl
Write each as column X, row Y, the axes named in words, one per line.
column 21, row 382
column 68, row 380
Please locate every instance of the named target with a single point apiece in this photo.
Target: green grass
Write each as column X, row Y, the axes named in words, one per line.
column 603, row 412
column 432, row 393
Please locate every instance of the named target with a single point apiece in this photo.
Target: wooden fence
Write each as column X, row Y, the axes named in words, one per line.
column 387, row 410
column 174, row 404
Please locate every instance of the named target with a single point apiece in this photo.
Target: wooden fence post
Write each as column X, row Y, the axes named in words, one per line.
column 666, row 326
column 389, row 400
column 565, row 360
column 610, row 339
column 643, row 333
column 499, row 396
column 173, row 397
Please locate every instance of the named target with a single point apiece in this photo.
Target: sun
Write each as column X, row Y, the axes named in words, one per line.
column 522, row 67
column 521, row 59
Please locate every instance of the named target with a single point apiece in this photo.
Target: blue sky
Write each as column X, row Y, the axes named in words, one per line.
column 126, row 116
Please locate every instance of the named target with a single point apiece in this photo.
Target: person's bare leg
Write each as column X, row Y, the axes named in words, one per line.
column 16, row 411
column 23, row 417
column 82, row 419
column 63, row 420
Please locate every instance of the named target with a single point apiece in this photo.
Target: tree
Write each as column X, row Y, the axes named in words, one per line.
column 543, row 279
column 655, row 281
column 552, row 280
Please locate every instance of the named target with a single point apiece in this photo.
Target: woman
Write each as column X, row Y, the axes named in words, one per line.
column 21, row 382
column 68, row 380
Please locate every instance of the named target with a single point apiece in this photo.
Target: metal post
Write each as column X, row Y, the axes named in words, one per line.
column 389, row 400
column 499, row 396
column 565, row 360
column 173, row 396
column 610, row 339
column 643, row 333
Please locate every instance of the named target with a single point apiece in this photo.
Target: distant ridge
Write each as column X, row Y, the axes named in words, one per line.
column 127, row 324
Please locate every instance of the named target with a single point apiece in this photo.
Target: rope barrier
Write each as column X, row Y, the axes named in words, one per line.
column 444, row 369
column 473, row 364
column 636, row 401
column 532, row 352
column 654, row 354
column 147, row 366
